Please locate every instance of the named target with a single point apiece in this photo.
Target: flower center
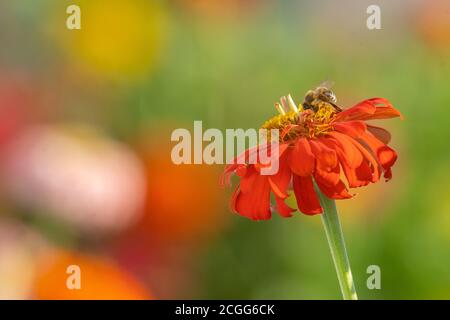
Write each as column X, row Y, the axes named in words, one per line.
column 304, row 123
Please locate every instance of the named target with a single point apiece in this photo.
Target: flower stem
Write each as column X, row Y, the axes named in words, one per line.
column 336, row 243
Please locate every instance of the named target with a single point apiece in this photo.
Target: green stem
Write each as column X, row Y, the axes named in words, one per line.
column 336, row 243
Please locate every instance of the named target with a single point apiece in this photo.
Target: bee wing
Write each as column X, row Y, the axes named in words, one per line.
column 327, row 84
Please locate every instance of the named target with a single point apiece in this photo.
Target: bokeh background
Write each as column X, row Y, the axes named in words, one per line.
column 85, row 123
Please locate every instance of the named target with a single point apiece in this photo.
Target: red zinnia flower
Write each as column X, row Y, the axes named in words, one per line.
column 318, row 142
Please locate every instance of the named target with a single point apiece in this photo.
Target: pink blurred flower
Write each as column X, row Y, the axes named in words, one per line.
column 77, row 174
column 16, row 99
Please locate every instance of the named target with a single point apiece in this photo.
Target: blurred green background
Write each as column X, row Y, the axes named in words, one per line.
column 85, row 123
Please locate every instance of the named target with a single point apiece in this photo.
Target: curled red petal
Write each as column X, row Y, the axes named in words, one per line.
column 385, row 155
column 329, row 177
column 279, row 182
column 375, row 108
column 359, row 110
column 385, row 112
column 388, row 174
column 356, row 170
column 345, row 145
column 325, row 156
column 370, row 159
column 237, row 163
column 225, row 178
column 283, row 209
column 307, row 200
column 233, row 198
column 252, row 156
column 338, row 191
column 301, row 159
column 357, row 177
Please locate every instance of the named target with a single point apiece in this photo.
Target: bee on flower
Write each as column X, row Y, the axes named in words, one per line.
column 320, row 143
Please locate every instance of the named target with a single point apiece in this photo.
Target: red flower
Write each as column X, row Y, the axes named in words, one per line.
column 319, row 143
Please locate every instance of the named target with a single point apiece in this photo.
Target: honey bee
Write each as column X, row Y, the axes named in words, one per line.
column 321, row 96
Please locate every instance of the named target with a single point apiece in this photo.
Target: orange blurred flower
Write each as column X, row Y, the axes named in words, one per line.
column 433, row 23
column 225, row 9
column 99, row 279
column 182, row 202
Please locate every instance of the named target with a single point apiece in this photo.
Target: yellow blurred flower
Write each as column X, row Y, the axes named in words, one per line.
column 20, row 248
column 118, row 37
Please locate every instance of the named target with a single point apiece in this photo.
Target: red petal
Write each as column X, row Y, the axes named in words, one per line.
column 241, row 170
column 356, row 170
column 225, row 178
column 386, row 112
column 280, row 181
column 237, row 163
column 250, row 155
column 254, row 202
column 307, row 200
column 338, row 191
column 374, row 165
column 362, row 108
column 266, row 151
column 369, row 109
column 351, row 128
column 247, row 180
column 388, row 174
column 283, row 209
column 279, row 184
column 325, row 156
column 234, row 196
column 381, row 134
column 345, row 145
column 330, row 177
column 357, row 177
column 386, row 156
column 301, row 160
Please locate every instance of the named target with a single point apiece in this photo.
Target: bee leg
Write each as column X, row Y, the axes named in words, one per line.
column 336, row 107
column 307, row 106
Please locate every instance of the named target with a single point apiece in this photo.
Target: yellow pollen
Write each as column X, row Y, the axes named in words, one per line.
column 306, row 123
column 281, row 121
column 324, row 113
